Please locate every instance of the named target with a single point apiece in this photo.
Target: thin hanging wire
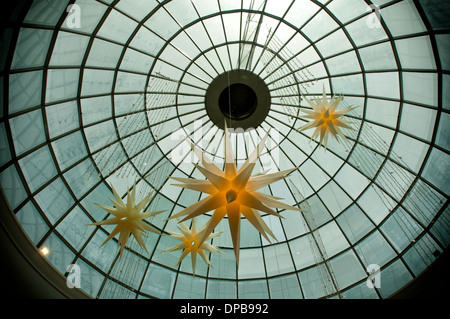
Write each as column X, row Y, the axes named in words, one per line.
column 323, row 265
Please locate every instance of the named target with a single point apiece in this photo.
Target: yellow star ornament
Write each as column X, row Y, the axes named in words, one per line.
column 128, row 218
column 190, row 242
column 233, row 193
column 325, row 118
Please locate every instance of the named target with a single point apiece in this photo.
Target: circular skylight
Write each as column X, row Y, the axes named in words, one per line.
column 103, row 94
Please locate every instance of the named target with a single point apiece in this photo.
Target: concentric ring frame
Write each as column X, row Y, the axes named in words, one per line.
column 85, row 104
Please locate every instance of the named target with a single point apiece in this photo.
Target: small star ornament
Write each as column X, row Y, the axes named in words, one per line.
column 326, row 118
column 128, row 218
column 190, row 243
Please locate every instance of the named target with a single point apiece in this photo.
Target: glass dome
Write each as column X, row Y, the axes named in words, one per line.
column 102, row 93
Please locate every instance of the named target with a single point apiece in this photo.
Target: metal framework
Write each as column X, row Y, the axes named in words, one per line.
column 274, row 50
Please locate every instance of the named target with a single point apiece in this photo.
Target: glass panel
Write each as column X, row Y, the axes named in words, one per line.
column 411, row 151
column 96, row 82
column 46, row 13
column 60, row 255
column 136, row 61
column 69, row 49
column 301, row 11
column 378, row 57
column 27, row 131
column 162, row 24
column 416, row 53
column 103, row 54
column 341, row 265
column 74, row 228
column 402, row 18
column 221, row 289
column 224, row 264
column 253, row 289
column 54, row 200
column 436, row 170
column 312, row 283
column 100, row 257
column 117, row 27
column 346, row 10
column 304, row 251
column 334, row 198
column 247, row 266
column 383, row 84
column 95, row 109
column 206, row 7
column 32, row 222
column 443, row 135
column 182, row 11
column 285, row 287
column 147, row 41
column 24, row 90
column 138, row 9
column 393, row 278
column 354, row 223
column 376, row 204
column 129, row 82
column 360, row 291
column 362, row 31
column 332, row 238
column 333, row 44
column 420, row 87
column 443, row 42
column 351, row 180
column 5, row 153
column 38, row 168
column 344, row 63
column 383, row 112
column 62, row 118
column 62, row 84
column 189, row 287
column 278, row 259
column 12, row 186
column 351, row 84
column 158, row 282
column 91, row 280
column 76, row 178
column 401, row 229
column 320, row 25
column 31, row 48
column 374, row 250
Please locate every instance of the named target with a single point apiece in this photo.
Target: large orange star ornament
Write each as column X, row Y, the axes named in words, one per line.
column 233, row 193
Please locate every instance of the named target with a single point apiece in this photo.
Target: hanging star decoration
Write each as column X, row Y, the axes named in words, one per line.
column 190, row 242
column 128, row 218
column 233, row 193
column 325, row 118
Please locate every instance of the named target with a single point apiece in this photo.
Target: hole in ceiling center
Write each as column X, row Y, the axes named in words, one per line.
column 238, row 101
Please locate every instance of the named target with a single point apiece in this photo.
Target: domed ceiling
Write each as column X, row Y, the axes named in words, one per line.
column 104, row 95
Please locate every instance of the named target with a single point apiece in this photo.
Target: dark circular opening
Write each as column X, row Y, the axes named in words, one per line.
column 238, row 101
